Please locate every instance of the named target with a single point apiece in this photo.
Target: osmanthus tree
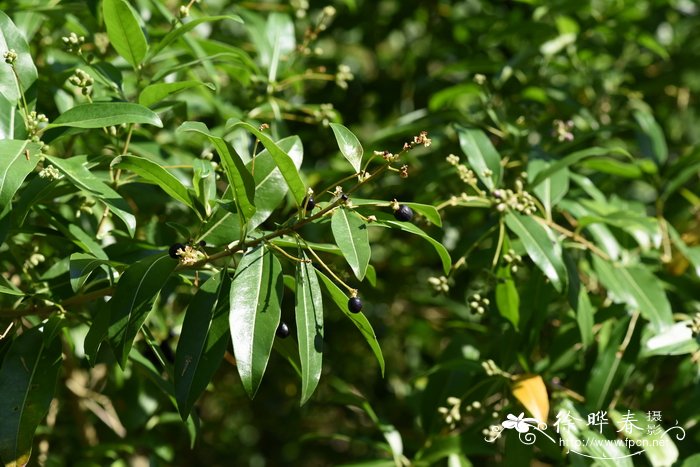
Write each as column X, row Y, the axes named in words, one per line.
column 106, row 236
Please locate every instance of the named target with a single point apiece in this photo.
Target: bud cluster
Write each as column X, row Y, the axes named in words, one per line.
column 324, row 114
column 72, row 42
column 50, row 173
column 562, row 130
column 82, row 80
column 513, row 259
column 10, row 57
column 35, row 122
column 440, row 284
column 464, row 172
column 695, row 325
column 478, row 304
column 343, row 75
column 518, row 200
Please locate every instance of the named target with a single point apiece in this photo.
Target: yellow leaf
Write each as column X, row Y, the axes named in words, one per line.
column 532, row 394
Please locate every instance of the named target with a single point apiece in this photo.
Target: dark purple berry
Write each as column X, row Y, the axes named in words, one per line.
column 404, row 213
column 310, row 203
column 202, row 243
column 354, row 305
column 344, row 197
column 282, row 330
column 173, row 250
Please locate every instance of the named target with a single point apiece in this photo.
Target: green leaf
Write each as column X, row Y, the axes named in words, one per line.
column 349, row 145
column 256, row 295
column 542, row 247
column 124, row 31
column 81, row 266
column 430, row 212
column 96, row 335
column 282, row 159
column 651, row 137
column 350, row 233
column 572, row 159
column 387, row 221
column 104, row 114
column 507, row 298
column 309, row 319
column 155, row 93
column 15, row 167
column 238, row 175
column 553, row 188
column 270, row 187
column 177, row 33
column 203, row 341
column 27, row 383
column 76, row 170
column 638, row 289
column 12, row 38
column 157, row 175
column 358, row 319
column 481, row 154
column 8, row 288
column 133, row 298
column 658, row 446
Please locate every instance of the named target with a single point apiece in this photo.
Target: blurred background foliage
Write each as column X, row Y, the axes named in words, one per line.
column 512, row 68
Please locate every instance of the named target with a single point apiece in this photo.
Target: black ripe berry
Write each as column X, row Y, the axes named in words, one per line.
column 404, row 213
column 202, row 243
column 282, row 330
column 310, row 203
column 354, row 305
column 173, row 250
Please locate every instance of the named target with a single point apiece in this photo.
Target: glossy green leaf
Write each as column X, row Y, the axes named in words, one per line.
column 638, row 289
column 203, row 341
column 81, row 266
column 19, row 158
column 238, row 175
column 350, row 233
column 104, row 114
column 677, row 339
column 651, row 137
column 97, row 334
column 542, row 247
column 12, row 38
column 124, row 31
column 76, row 170
column 28, row 379
column 157, row 175
column 256, row 295
column 481, row 154
column 270, row 186
column 614, row 167
column 8, row 288
column 507, row 297
column 572, row 159
column 309, row 319
column 282, row 159
column 133, row 298
column 387, row 221
column 155, row 93
column 349, row 145
column 183, row 29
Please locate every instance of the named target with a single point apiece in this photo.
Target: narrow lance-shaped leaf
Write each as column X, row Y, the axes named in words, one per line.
column 154, row 93
column 203, row 341
column 19, row 158
column 651, row 137
column 358, row 319
column 349, row 145
column 81, row 266
column 637, row 288
column 507, row 298
column 124, row 31
column 154, row 173
column 239, row 177
column 282, row 159
column 12, row 38
column 133, row 299
column 309, row 318
column 482, row 156
column 103, row 114
column 540, row 245
column 256, row 295
column 75, row 169
column 350, row 233
column 27, row 383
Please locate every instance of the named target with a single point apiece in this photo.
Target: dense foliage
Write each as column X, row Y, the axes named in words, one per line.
column 372, row 233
